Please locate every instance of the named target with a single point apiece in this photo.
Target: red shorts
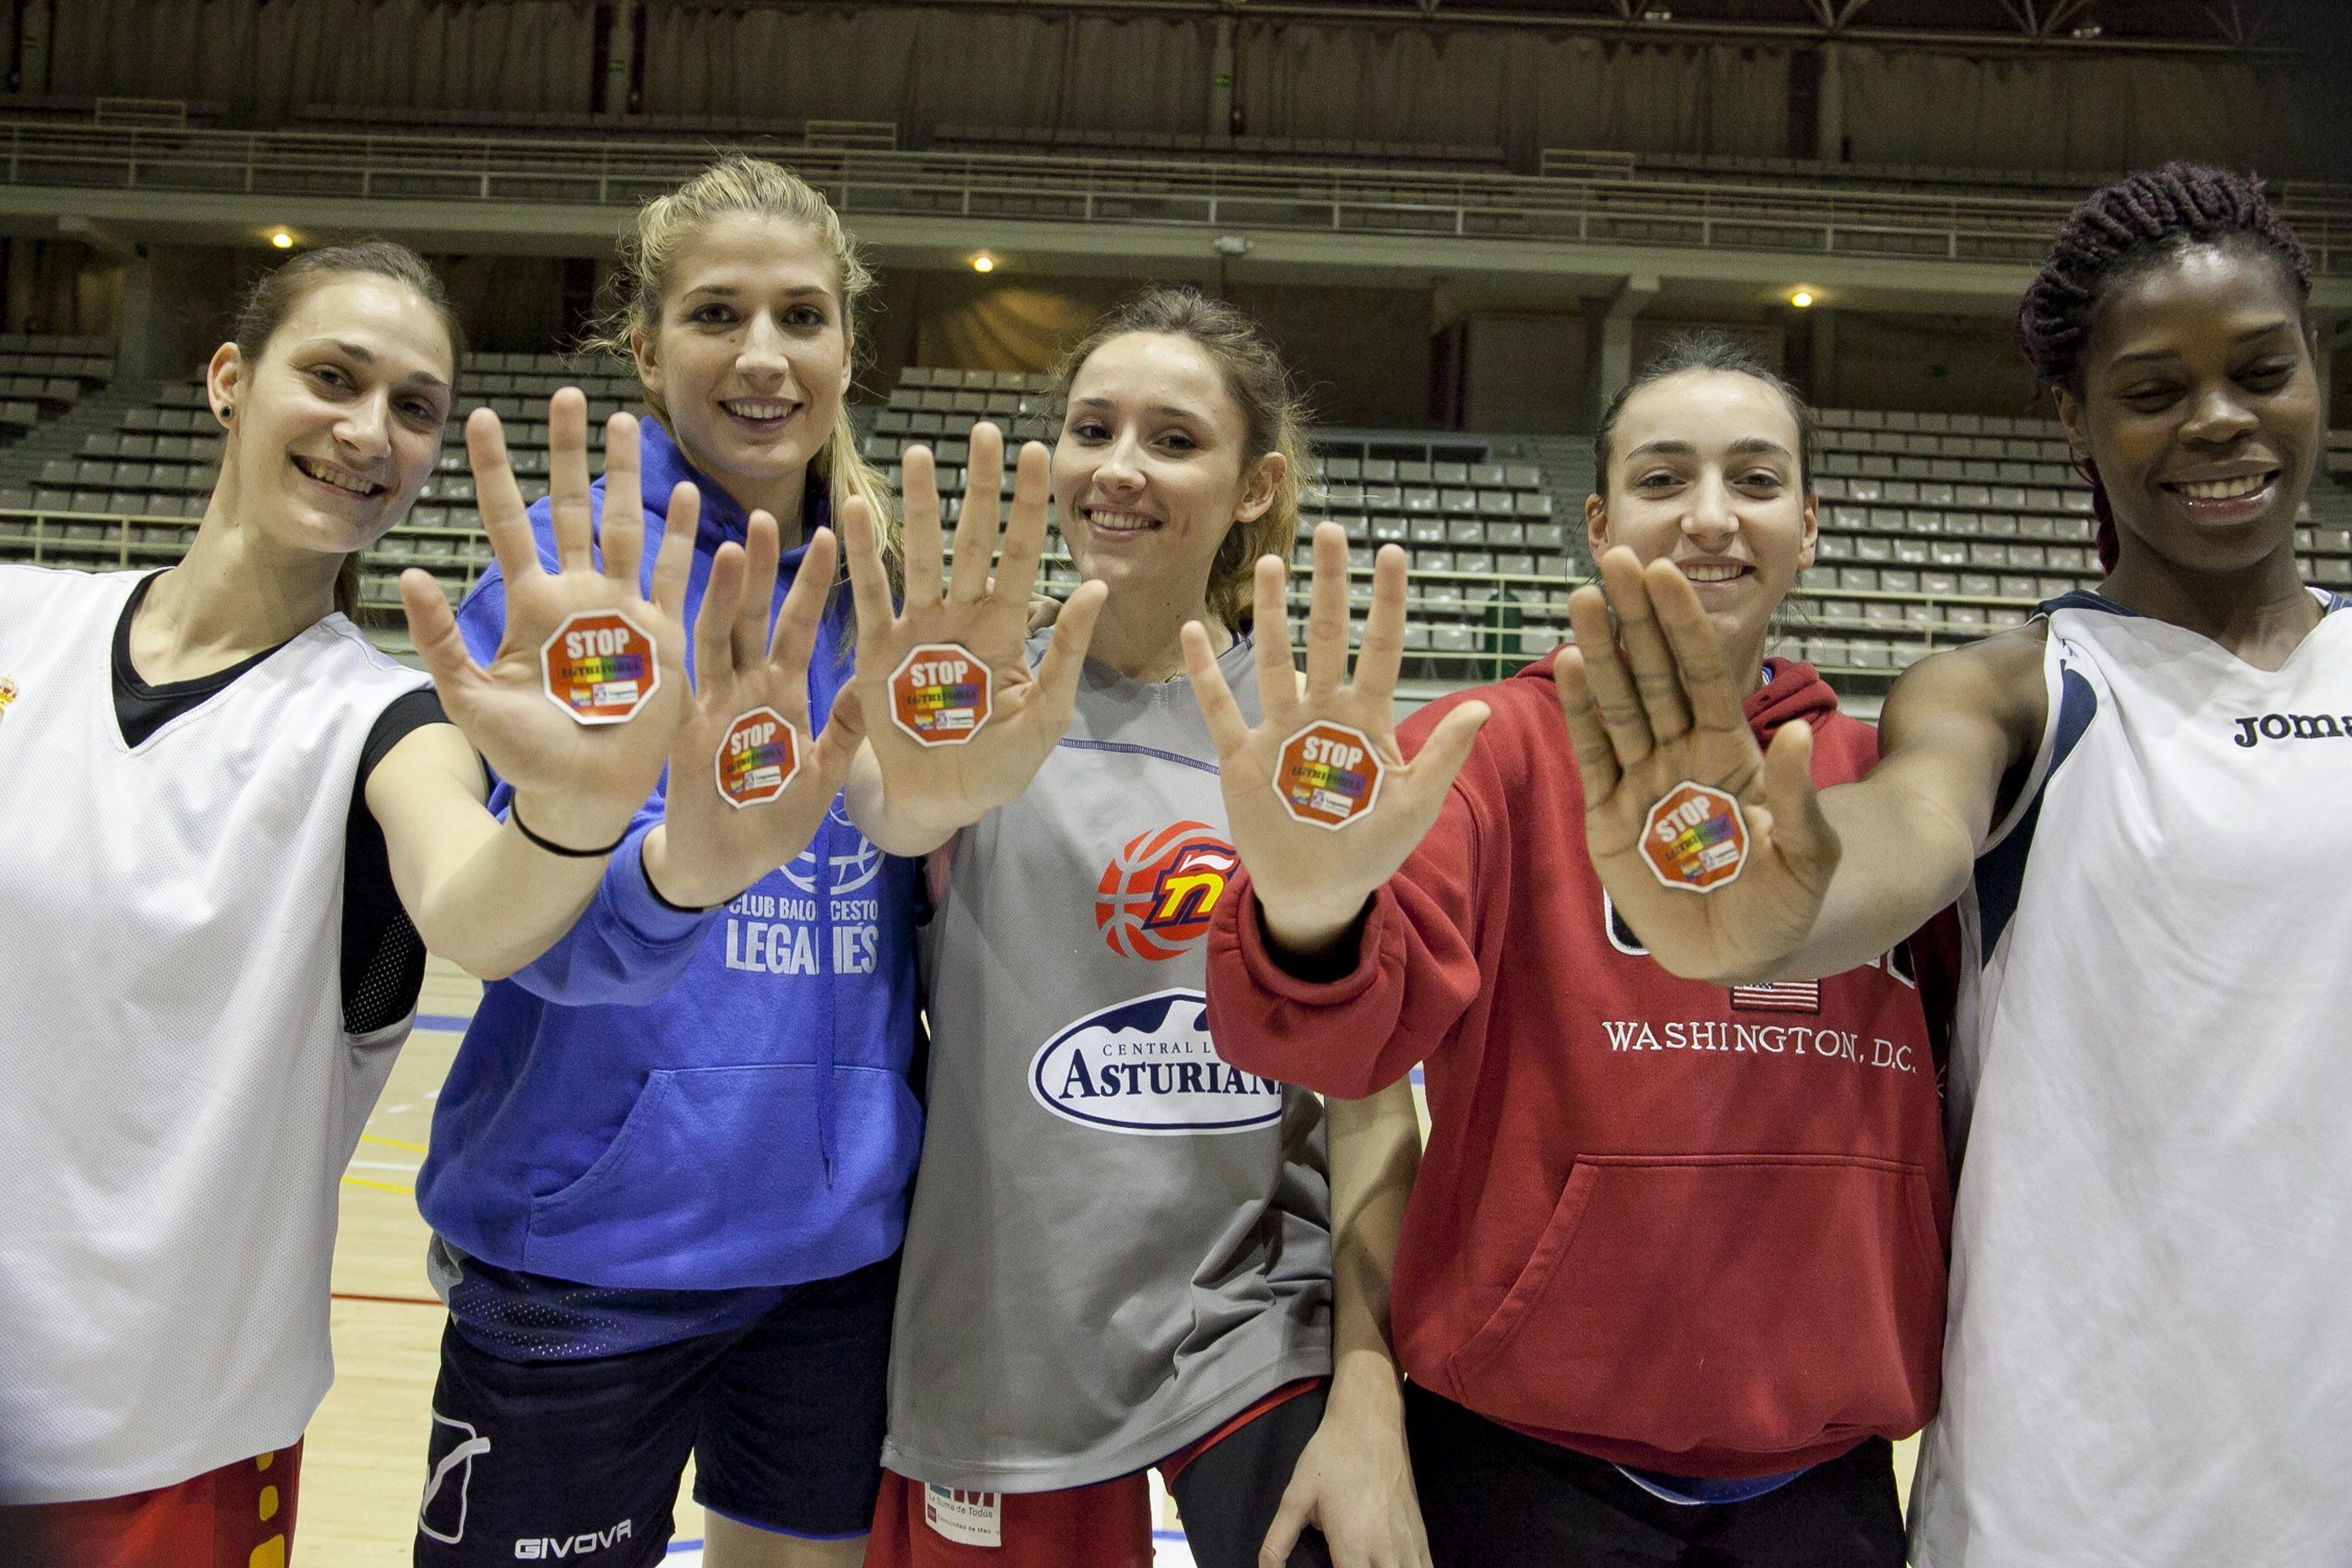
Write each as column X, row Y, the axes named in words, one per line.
column 1107, row 1525
column 240, row 1515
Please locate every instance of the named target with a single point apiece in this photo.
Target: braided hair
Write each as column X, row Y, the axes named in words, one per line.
column 2134, row 224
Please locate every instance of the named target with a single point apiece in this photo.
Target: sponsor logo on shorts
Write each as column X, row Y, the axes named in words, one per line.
column 974, row 1518
column 442, row 1514
column 1154, row 900
column 548, row 1548
column 1148, row 1066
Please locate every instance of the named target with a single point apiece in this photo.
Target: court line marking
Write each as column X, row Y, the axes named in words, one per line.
column 396, row 1143
column 444, row 1023
column 379, row 1186
column 395, row 1300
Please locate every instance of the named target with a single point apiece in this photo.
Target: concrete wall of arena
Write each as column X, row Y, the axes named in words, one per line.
column 1512, row 90
column 1361, row 355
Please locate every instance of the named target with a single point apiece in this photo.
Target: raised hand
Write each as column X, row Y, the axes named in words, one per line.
column 582, row 782
column 1312, row 881
column 1651, row 704
column 712, row 848
column 930, row 790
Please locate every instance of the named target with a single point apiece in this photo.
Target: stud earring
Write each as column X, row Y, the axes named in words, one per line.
column 227, row 409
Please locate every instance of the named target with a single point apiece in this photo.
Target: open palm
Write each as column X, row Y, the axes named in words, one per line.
column 1308, row 875
column 942, row 783
column 601, row 771
column 1651, row 704
column 715, row 847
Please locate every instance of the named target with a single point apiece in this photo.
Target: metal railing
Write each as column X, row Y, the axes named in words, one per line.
column 1698, row 212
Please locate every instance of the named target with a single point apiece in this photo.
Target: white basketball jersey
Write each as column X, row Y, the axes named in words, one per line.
column 2147, row 1363
column 180, row 1095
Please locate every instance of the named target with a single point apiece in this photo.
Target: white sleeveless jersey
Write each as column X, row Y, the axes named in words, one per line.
column 180, row 1096
column 2149, row 1362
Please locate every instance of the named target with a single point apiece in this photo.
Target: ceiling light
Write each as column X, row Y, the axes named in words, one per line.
column 282, row 240
column 1802, row 298
column 983, row 262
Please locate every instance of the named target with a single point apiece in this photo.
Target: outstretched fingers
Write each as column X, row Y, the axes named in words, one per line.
column 1227, row 728
column 1326, row 613
column 1606, row 680
column 621, row 536
column 1802, row 834
column 1597, row 762
column 714, row 624
column 1448, row 747
column 1277, row 678
column 1066, row 655
column 1645, row 644
column 1701, row 670
column 497, row 500
column 1381, row 658
column 919, row 525
column 804, row 611
column 975, row 529
column 674, row 561
column 869, row 579
column 837, row 742
column 433, row 628
column 749, row 641
column 1024, row 526
column 569, row 512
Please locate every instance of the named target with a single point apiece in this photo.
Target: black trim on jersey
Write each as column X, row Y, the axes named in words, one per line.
column 140, row 710
column 2001, row 870
column 383, row 957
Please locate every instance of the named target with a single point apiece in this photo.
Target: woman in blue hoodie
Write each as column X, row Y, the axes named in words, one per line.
column 669, row 1168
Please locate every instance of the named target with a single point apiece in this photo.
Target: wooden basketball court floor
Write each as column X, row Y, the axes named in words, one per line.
column 364, row 1460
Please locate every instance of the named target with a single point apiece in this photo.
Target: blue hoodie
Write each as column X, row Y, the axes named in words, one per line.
column 679, row 1101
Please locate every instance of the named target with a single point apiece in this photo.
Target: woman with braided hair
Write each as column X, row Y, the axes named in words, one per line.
column 2138, row 798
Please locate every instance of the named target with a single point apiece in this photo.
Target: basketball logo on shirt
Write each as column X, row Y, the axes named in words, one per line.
column 7, row 695
column 1155, row 898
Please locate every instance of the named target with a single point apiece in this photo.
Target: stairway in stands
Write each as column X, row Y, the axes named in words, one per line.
column 1567, row 465
column 100, row 411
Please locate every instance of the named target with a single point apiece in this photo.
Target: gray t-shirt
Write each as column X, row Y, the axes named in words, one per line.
column 1118, row 1241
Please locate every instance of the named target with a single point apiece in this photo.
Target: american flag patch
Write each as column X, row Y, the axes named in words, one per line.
column 1779, row 996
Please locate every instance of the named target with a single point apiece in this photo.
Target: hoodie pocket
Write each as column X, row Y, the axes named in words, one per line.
column 715, row 1182
column 1757, row 1304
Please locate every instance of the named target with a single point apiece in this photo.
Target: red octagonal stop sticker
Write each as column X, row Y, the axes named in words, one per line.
column 600, row 666
column 758, row 758
column 940, row 694
column 1696, row 838
column 1327, row 774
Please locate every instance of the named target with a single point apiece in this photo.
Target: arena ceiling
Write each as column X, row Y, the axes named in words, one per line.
column 2199, row 25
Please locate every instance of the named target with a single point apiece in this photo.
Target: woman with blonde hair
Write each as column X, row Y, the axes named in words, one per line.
column 669, row 1168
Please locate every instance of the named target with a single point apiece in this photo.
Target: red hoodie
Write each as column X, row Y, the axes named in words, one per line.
column 1679, row 1228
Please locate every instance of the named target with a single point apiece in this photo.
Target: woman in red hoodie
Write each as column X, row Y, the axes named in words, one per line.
column 1672, row 1277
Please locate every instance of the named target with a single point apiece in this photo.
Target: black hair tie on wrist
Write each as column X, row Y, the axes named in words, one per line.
column 514, row 815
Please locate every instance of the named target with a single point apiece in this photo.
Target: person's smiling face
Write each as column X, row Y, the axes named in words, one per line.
column 1152, row 469
column 1704, row 471
column 2198, row 405
column 750, row 359
column 337, row 421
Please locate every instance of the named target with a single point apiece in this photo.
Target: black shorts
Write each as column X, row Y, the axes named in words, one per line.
column 1492, row 1498
column 1228, row 1495
column 580, row 1459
